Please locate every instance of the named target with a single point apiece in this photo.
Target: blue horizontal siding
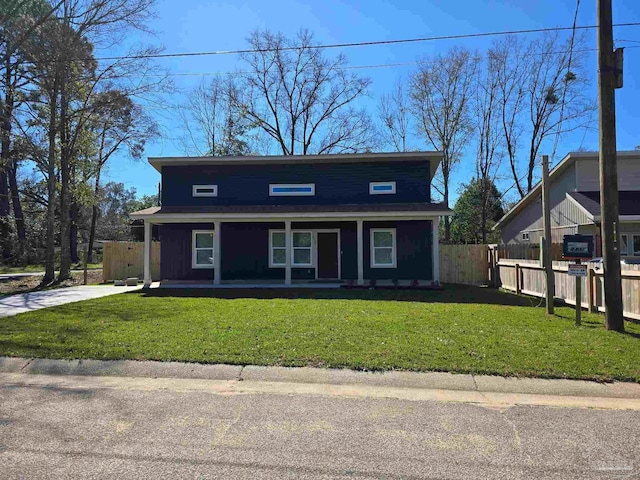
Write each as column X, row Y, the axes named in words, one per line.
column 338, row 183
column 245, row 251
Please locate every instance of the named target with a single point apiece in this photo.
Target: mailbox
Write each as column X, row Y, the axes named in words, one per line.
column 577, row 246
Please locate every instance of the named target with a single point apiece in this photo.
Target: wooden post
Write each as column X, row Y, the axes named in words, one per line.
column 546, row 246
column 590, row 289
column 608, row 169
column 518, row 283
column 578, row 298
column 86, row 257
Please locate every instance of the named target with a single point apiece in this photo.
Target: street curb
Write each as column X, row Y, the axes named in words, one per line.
column 309, row 375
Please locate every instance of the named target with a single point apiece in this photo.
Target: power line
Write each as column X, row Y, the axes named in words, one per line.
column 366, row 44
column 347, row 67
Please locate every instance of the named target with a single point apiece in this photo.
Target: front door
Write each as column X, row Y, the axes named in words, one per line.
column 328, row 255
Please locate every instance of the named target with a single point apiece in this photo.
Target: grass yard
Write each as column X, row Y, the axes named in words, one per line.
column 40, row 268
column 460, row 329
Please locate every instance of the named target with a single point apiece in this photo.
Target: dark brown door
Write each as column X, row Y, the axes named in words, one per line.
column 328, row 255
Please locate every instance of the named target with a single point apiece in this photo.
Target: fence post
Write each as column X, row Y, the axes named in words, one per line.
column 518, row 285
column 590, row 289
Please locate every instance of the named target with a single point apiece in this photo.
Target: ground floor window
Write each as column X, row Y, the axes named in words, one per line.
column 301, row 248
column 383, row 247
column 301, row 242
column 624, row 245
column 277, row 248
column 202, row 249
column 636, row 245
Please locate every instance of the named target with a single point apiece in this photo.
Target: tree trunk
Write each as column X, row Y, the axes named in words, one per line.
column 94, row 220
column 18, row 214
column 65, row 180
column 5, row 134
column 49, row 262
column 447, row 222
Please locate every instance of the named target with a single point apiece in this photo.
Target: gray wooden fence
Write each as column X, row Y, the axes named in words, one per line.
column 527, row 276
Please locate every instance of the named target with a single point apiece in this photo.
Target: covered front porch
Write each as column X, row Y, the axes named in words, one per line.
column 326, row 249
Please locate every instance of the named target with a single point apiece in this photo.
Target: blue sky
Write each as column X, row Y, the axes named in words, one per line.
column 202, row 25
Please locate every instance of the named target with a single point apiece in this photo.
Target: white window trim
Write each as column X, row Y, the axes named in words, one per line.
column 626, row 243
column 372, row 186
column 527, row 236
column 271, row 247
column 310, row 186
column 312, row 247
column 372, row 248
column 196, row 193
column 634, row 252
column 194, row 250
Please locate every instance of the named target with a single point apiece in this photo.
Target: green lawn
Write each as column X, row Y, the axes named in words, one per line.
column 40, row 268
column 460, row 329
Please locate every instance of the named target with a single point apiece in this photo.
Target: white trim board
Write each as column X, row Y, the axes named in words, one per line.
column 293, row 216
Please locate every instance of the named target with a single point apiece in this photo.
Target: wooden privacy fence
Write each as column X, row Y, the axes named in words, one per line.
column 126, row 259
column 529, row 251
column 465, row 264
column 527, row 276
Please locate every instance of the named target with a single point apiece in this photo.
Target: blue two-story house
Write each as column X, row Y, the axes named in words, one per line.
column 291, row 219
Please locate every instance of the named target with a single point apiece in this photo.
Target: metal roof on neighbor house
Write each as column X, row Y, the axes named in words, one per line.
column 629, row 202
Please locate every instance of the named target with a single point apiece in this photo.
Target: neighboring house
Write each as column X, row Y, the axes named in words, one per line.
column 575, row 203
column 297, row 218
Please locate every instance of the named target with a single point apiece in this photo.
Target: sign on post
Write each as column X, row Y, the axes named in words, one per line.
column 577, row 246
column 577, row 270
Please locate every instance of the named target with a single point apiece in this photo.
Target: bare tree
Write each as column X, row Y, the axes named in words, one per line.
column 394, row 112
column 441, row 95
column 303, row 100
column 212, row 122
column 487, row 125
column 543, row 93
column 510, row 62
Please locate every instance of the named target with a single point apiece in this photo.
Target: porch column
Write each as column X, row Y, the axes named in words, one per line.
column 360, row 254
column 287, row 245
column 217, row 254
column 435, row 249
column 147, row 254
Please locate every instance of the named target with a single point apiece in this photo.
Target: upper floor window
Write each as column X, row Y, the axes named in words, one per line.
column 525, row 235
column 381, row 188
column 205, row 191
column 292, row 189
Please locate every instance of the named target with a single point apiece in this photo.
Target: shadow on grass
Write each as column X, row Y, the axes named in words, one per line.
column 449, row 294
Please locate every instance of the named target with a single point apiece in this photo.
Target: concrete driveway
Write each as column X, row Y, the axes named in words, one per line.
column 27, row 302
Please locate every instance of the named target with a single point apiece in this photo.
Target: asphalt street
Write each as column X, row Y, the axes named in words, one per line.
column 74, row 427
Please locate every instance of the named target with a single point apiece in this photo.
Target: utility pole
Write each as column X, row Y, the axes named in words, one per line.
column 547, row 262
column 607, row 80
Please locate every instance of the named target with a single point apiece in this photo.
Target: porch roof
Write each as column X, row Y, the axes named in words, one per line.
column 239, row 212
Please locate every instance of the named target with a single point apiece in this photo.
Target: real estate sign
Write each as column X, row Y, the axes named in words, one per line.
column 577, row 246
